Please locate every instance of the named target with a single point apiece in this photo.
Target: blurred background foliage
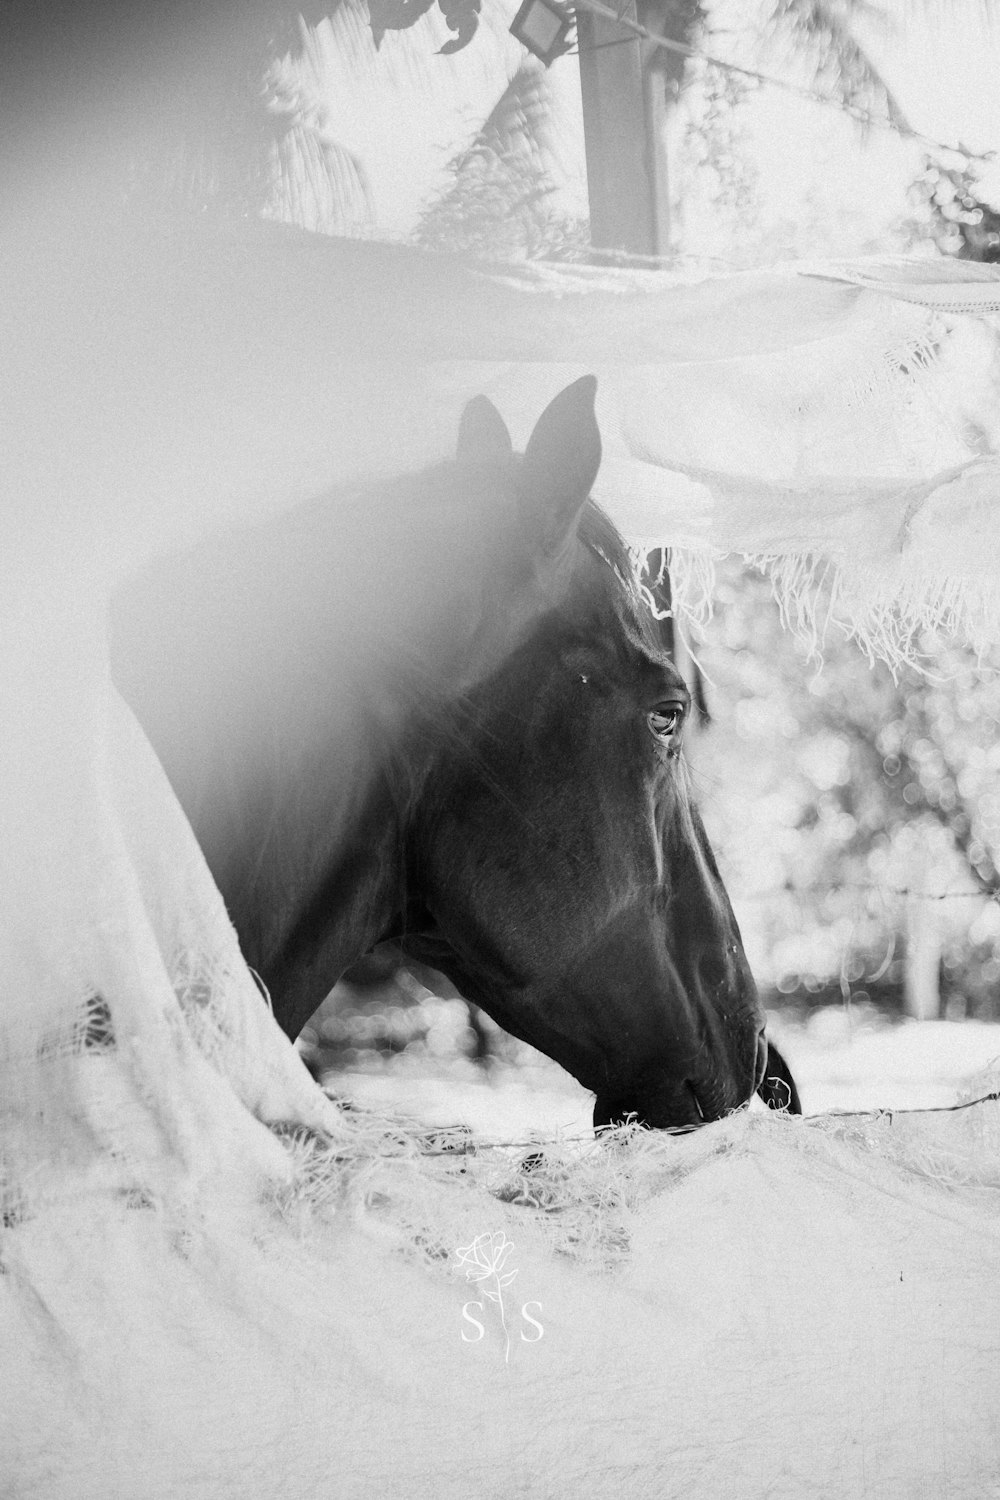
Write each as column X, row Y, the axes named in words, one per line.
column 500, row 202
column 857, row 813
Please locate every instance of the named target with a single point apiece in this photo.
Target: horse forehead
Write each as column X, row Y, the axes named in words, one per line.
column 625, row 659
column 657, row 668
column 615, row 629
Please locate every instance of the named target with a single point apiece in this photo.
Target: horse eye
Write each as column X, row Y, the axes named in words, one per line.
column 666, row 720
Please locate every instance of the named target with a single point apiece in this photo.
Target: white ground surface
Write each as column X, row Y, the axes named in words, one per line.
column 766, row 1308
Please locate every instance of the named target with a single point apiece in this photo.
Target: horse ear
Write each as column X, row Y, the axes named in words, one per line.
column 482, row 435
column 560, row 464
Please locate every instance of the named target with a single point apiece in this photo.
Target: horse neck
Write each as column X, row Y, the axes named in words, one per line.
column 384, row 649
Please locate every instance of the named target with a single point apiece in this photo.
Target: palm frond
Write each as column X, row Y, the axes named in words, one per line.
column 499, row 199
column 820, row 35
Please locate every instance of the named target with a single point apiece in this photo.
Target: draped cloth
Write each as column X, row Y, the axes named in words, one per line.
column 163, row 382
column 189, row 1226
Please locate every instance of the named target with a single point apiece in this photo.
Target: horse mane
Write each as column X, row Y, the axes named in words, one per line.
column 600, row 535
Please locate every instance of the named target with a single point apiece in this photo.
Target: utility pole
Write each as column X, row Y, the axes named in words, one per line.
column 626, row 83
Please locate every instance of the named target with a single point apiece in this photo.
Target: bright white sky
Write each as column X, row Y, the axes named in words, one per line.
column 944, row 77
column 406, row 111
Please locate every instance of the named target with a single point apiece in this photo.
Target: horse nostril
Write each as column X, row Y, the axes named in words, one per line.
column 761, row 1068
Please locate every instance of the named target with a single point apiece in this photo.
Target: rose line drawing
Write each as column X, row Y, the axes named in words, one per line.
column 484, row 1262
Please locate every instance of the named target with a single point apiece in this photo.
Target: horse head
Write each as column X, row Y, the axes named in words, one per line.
column 558, row 871
column 439, row 713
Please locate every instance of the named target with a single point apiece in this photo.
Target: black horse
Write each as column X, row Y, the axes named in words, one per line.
column 439, row 714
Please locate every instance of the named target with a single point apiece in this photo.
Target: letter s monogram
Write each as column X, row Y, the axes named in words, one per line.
column 533, row 1321
column 474, row 1321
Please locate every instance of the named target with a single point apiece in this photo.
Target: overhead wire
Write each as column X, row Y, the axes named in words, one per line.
column 900, row 127
column 459, row 1140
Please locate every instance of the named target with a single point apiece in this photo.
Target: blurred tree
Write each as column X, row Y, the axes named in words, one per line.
column 953, row 208
column 196, row 107
column 823, row 38
column 499, row 203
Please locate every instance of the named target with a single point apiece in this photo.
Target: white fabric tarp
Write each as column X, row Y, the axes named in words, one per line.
column 771, row 1308
column 212, row 1281
column 161, row 382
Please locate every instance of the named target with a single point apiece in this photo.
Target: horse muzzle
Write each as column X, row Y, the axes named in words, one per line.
column 660, row 1100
